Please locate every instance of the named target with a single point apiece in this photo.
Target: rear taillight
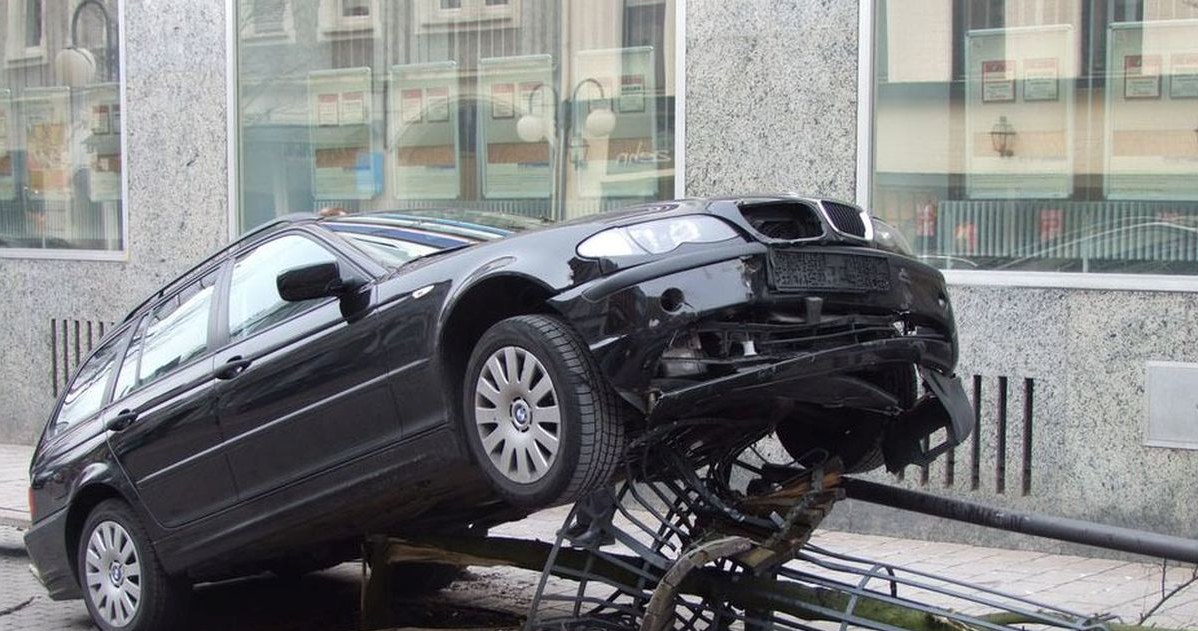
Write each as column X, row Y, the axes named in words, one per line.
column 31, row 502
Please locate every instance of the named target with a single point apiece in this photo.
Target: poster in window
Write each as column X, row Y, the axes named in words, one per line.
column 503, row 100
column 411, row 105
column 7, row 180
column 1142, row 76
column 103, row 144
column 1041, row 79
column 344, row 166
column 438, row 104
column 353, row 109
column 511, row 166
column 632, row 159
column 424, row 155
column 632, row 93
column 326, row 110
column 1037, row 161
column 1183, row 76
column 1144, row 156
column 998, row 81
column 47, row 130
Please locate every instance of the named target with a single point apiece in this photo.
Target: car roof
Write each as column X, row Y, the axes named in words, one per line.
column 253, row 234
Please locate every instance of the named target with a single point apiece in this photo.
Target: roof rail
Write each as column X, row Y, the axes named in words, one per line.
column 262, row 228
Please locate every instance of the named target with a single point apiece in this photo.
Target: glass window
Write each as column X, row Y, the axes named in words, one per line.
column 1039, row 135
column 539, row 108
column 60, row 130
column 254, row 301
column 169, row 337
column 85, row 397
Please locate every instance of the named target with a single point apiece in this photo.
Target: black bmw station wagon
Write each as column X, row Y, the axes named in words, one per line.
column 325, row 378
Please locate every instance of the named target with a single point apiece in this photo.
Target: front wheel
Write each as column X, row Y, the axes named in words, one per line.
column 541, row 420
column 124, row 585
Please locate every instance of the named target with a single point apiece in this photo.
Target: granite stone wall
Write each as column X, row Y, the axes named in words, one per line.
column 175, row 124
column 771, row 105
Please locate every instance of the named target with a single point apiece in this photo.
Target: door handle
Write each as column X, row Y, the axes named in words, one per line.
column 121, row 421
column 233, row 367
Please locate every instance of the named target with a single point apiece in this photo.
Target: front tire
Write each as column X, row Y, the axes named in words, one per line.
column 541, row 421
column 124, row 585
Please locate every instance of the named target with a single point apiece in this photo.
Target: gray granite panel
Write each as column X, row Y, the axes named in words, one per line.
column 771, row 97
column 174, row 119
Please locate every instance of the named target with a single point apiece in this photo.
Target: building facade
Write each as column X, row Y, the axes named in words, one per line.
column 1044, row 153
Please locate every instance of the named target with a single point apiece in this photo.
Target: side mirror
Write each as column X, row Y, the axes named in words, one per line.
column 311, row 281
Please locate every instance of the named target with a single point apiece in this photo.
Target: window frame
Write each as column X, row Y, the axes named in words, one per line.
column 677, row 72
column 866, row 109
column 17, row 55
column 214, row 342
column 472, row 14
column 225, row 293
column 332, row 25
column 106, row 399
column 285, row 34
column 120, row 255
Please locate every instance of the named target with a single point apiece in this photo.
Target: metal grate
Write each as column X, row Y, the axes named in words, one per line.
column 784, row 220
column 1006, row 404
column 70, row 342
column 846, row 219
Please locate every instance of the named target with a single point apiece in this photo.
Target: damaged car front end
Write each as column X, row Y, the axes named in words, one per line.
column 804, row 313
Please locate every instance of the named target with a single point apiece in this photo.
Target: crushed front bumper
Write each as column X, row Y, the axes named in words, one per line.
column 788, row 339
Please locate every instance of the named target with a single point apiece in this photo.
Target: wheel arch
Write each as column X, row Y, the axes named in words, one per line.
column 474, row 310
column 85, row 499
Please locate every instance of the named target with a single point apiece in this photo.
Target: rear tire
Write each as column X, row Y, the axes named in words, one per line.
column 541, row 421
column 124, row 585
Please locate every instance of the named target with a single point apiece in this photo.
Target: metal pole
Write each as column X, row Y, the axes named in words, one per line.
column 1061, row 528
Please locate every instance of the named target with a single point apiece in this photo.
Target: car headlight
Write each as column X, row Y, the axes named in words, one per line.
column 655, row 237
column 888, row 238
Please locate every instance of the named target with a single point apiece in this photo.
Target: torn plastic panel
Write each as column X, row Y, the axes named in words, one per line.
column 721, row 340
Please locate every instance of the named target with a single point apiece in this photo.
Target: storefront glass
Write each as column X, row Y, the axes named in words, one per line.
column 536, row 107
column 1040, row 135
column 60, row 129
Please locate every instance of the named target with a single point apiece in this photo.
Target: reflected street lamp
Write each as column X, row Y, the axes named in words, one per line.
column 599, row 123
column 1002, row 137
column 76, row 66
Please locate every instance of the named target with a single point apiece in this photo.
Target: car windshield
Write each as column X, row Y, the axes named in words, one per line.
column 394, row 239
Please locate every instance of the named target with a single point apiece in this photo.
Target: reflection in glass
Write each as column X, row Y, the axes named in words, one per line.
column 60, row 155
column 1039, row 136
column 538, row 108
column 254, row 301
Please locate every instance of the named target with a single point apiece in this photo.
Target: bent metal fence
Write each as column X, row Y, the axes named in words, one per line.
column 710, row 530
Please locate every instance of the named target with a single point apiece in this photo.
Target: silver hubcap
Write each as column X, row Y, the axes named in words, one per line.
column 517, row 416
column 113, row 573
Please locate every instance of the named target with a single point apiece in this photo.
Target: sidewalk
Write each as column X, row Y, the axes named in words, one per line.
column 14, row 485
column 1084, row 584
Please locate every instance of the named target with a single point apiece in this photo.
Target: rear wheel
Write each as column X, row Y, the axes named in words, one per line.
column 124, row 585
column 541, row 421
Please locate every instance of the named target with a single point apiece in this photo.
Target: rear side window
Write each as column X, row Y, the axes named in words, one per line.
column 254, row 301
column 170, row 336
column 85, row 397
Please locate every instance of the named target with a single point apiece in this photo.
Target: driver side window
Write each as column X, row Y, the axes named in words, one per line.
column 254, row 300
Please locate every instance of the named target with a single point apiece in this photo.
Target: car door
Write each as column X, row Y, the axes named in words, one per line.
column 163, row 417
column 309, row 390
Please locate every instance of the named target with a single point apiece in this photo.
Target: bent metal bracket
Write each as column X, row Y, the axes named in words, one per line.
column 710, row 529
